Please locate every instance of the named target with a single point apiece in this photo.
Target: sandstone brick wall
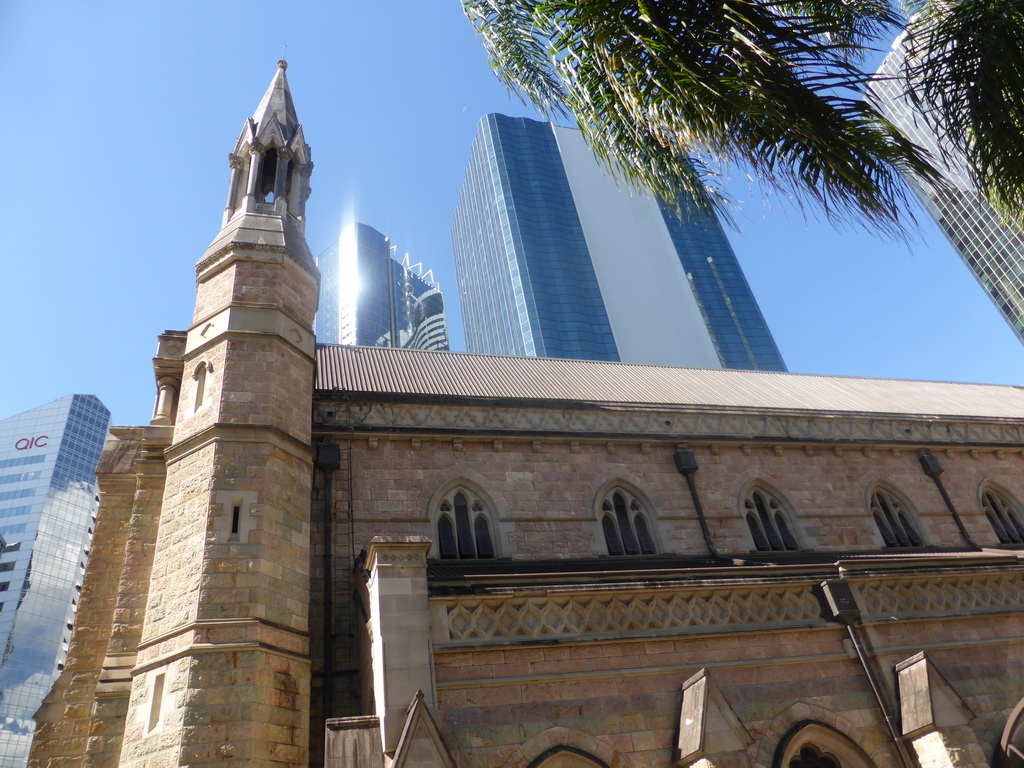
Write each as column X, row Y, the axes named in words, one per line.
column 268, row 282
column 503, row 703
column 544, row 491
column 626, row 694
column 66, row 721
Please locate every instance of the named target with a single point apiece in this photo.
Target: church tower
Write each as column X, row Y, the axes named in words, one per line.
column 222, row 669
column 192, row 646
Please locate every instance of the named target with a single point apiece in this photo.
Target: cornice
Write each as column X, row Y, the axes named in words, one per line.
column 222, row 257
column 248, row 433
column 680, row 424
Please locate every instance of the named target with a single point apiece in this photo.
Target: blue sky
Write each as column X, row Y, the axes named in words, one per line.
column 117, row 123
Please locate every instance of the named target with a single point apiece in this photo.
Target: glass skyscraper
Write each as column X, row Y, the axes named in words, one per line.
column 368, row 298
column 555, row 259
column 992, row 246
column 48, row 505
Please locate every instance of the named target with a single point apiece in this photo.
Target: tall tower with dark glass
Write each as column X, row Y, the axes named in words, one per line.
column 555, row 259
column 47, row 511
column 368, row 298
column 991, row 245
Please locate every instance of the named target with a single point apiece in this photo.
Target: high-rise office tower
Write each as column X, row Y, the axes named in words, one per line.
column 368, row 298
column 555, row 259
column 992, row 246
column 47, row 506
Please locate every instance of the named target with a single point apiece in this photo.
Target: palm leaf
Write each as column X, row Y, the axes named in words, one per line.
column 671, row 95
column 966, row 67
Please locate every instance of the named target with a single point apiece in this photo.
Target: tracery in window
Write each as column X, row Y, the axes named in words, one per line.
column 894, row 520
column 811, row 744
column 566, row 757
column 767, row 522
column 625, row 526
column 463, row 526
column 1003, row 517
column 811, row 757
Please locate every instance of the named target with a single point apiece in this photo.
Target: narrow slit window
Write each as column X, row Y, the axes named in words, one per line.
column 200, row 377
column 156, row 702
column 236, row 514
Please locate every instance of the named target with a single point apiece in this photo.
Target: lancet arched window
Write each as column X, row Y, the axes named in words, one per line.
column 1003, row 516
column 894, row 520
column 626, row 525
column 767, row 522
column 811, row 757
column 463, row 526
column 268, row 174
column 814, row 745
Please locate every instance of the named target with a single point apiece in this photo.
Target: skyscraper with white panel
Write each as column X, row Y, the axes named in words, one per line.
column 555, row 259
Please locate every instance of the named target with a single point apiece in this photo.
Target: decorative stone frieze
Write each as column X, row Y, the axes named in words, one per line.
column 627, row 612
column 929, row 596
column 663, row 423
column 568, row 615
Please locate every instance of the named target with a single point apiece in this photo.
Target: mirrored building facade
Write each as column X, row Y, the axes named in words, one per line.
column 991, row 245
column 555, row 259
column 48, row 504
column 368, row 298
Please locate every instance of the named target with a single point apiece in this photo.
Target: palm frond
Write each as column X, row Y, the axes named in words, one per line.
column 672, row 94
column 966, row 70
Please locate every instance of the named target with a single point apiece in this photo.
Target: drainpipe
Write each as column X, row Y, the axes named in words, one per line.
column 843, row 609
column 686, row 464
column 931, row 466
column 328, row 459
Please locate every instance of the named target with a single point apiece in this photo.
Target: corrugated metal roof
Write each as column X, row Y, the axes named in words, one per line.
column 459, row 375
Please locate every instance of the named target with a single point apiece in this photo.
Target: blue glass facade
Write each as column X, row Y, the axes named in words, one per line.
column 528, row 277
column 733, row 318
column 527, row 283
column 48, row 460
column 368, row 298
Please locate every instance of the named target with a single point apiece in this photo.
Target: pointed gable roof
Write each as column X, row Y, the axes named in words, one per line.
column 276, row 105
column 421, row 743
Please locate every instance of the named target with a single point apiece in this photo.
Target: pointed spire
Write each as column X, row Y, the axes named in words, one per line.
column 276, row 104
column 270, row 169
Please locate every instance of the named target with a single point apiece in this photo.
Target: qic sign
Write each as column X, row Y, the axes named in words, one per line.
column 31, row 442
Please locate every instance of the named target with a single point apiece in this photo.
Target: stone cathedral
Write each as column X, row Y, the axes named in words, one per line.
column 378, row 558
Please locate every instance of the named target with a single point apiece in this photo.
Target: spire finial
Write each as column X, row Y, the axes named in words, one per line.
column 282, row 64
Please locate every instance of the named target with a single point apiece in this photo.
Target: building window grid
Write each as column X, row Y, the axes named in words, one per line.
column 766, row 521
